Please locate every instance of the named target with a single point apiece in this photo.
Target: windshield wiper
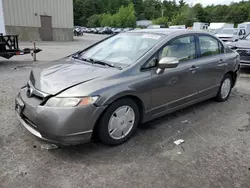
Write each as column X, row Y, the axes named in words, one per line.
column 105, row 64
column 93, row 61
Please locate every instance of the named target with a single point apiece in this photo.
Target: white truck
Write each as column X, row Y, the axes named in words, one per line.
column 215, row 27
column 245, row 26
column 200, row 26
column 177, row 27
column 231, row 34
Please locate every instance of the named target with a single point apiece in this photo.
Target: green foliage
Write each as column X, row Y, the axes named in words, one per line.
column 123, row 13
column 125, row 17
column 187, row 17
column 94, row 21
column 161, row 21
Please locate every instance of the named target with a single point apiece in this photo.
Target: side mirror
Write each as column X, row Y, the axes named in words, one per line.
column 167, row 63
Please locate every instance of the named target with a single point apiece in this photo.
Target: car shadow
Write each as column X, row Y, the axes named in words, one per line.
column 245, row 70
column 150, row 138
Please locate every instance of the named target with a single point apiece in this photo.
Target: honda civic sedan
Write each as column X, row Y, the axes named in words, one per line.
column 112, row 86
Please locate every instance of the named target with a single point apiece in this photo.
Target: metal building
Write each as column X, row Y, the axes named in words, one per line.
column 39, row 19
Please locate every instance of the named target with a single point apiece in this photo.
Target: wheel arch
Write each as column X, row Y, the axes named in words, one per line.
column 233, row 75
column 135, row 98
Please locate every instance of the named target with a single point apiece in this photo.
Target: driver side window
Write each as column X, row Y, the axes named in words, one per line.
column 182, row 48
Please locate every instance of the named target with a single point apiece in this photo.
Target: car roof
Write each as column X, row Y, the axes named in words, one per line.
column 166, row 31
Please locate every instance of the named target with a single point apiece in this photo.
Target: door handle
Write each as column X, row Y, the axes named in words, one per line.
column 193, row 68
column 221, row 61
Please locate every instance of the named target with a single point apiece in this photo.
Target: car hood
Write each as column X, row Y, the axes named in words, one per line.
column 54, row 77
column 224, row 35
column 242, row 44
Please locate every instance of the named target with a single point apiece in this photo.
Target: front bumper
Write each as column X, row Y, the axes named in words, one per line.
column 58, row 125
column 244, row 63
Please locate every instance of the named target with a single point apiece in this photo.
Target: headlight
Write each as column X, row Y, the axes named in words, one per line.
column 70, row 102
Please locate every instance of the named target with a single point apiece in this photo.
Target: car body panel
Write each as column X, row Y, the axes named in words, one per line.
column 172, row 87
column 54, row 78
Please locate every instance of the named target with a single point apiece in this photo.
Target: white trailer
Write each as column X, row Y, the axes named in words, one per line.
column 214, row 27
column 177, row 27
column 245, row 26
column 2, row 25
column 200, row 26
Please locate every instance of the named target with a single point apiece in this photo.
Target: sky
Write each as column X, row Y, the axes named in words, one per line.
column 210, row 2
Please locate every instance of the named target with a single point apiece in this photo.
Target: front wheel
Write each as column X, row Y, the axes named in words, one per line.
column 225, row 88
column 118, row 122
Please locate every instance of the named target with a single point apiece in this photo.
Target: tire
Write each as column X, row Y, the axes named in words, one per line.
column 107, row 133
column 223, row 97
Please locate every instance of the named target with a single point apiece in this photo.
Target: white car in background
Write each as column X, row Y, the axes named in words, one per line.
column 231, row 34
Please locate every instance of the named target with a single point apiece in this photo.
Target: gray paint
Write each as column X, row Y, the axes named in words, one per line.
column 160, row 94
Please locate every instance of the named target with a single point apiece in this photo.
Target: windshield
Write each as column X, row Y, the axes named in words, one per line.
column 124, row 48
column 228, row 31
column 248, row 37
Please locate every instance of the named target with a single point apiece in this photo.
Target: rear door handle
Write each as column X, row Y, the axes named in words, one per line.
column 193, row 68
column 221, row 61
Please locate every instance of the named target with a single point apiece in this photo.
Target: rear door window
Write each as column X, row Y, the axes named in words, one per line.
column 208, row 46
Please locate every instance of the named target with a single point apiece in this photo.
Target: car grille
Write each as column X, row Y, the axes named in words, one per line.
column 244, row 54
column 33, row 92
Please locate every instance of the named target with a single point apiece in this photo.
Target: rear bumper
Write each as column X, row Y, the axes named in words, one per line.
column 58, row 125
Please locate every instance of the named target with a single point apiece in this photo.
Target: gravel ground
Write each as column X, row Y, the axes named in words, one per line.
column 215, row 153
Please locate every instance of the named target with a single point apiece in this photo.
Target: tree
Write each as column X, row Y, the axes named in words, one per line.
column 161, row 21
column 182, row 3
column 237, row 15
column 187, row 17
column 106, row 20
column 152, row 9
column 125, row 17
column 138, row 6
column 170, row 9
column 94, row 21
column 200, row 13
column 181, row 12
column 83, row 9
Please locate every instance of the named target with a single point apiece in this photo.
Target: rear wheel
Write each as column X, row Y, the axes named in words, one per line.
column 118, row 122
column 225, row 88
